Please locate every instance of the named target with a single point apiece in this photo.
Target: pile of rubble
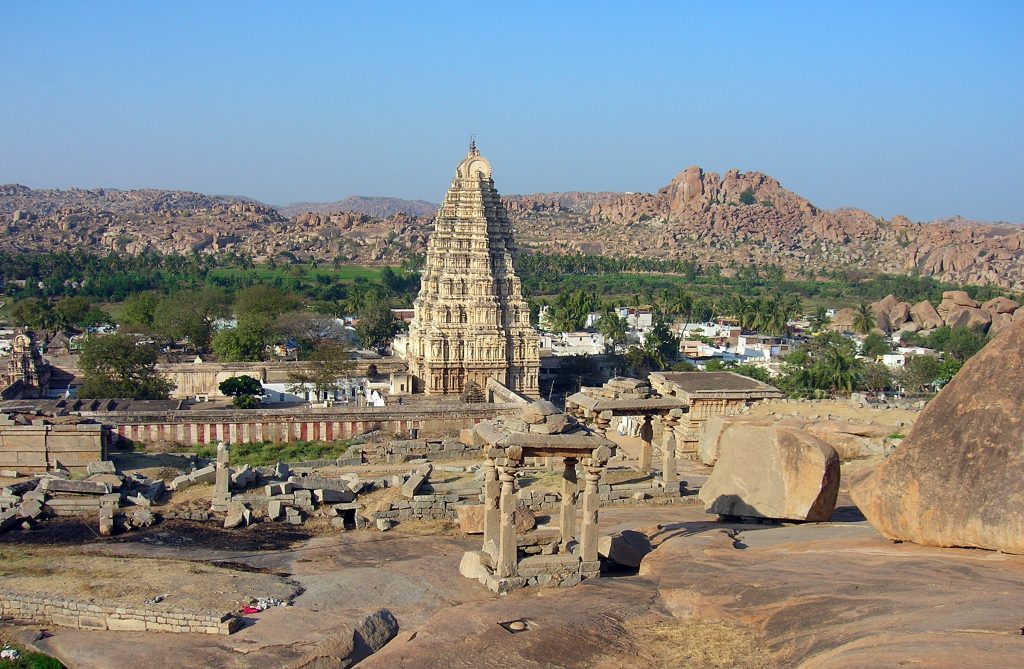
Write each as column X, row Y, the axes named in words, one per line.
column 102, row 492
column 622, row 388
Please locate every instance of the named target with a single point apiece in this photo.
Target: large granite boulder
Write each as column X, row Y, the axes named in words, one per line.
column 958, row 478
column 1000, row 305
column 772, row 471
column 924, row 314
column 969, row 317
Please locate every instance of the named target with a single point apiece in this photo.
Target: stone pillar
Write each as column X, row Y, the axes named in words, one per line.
column 492, row 489
column 505, row 565
column 222, row 484
column 646, row 435
column 588, row 534
column 668, row 465
column 567, row 514
column 602, row 421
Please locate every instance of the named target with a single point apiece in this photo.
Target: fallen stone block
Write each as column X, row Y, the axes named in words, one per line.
column 9, row 520
column 9, row 473
column 142, row 518
column 138, row 499
column 106, row 523
column 80, row 487
column 338, row 523
column 101, row 467
column 204, row 475
column 471, row 518
column 30, row 509
column 293, row 516
column 275, row 508
column 328, row 496
column 385, row 524
column 626, row 548
column 285, row 488
column 244, row 477
column 239, row 515
column 112, row 480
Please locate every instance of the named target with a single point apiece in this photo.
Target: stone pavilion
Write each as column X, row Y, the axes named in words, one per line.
column 471, row 322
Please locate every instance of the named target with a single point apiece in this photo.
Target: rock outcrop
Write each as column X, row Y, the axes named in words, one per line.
column 746, row 218
column 772, row 471
column 958, row 478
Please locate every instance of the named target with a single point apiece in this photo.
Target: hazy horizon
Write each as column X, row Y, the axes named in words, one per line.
column 912, row 109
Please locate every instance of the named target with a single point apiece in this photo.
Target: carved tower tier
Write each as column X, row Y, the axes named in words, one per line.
column 471, row 322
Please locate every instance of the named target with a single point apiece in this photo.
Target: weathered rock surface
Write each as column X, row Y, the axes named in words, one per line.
column 471, row 518
column 925, row 315
column 745, row 217
column 772, row 471
column 626, row 548
column 958, row 478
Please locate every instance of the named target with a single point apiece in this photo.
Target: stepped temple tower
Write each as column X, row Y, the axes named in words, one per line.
column 471, row 322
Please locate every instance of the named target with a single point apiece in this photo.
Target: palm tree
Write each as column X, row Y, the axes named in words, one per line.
column 863, row 319
column 838, row 369
column 820, row 319
column 613, row 328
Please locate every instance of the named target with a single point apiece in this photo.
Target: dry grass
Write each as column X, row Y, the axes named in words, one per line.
column 708, row 644
column 194, row 585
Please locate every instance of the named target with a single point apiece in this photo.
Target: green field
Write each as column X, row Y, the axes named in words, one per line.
column 263, row 273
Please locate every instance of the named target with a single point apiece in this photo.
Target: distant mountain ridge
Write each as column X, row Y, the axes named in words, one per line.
column 380, row 207
column 729, row 220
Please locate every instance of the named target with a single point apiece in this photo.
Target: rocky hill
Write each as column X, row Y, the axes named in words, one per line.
column 729, row 220
column 380, row 207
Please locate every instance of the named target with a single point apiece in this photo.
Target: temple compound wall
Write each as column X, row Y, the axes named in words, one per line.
column 255, row 426
column 36, row 448
column 471, row 322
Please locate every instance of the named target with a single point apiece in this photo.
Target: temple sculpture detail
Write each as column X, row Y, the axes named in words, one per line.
column 471, row 322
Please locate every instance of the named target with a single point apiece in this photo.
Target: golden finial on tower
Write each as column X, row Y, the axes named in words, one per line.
column 472, row 146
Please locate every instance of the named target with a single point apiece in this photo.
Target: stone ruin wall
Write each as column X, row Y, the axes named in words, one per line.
column 89, row 615
column 31, row 449
column 234, row 427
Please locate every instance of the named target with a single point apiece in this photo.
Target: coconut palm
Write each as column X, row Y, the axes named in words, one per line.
column 863, row 319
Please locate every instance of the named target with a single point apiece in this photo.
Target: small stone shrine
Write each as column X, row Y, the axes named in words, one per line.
column 541, row 431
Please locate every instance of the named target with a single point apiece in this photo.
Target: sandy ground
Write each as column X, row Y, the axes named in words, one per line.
column 132, row 580
column 818, row 595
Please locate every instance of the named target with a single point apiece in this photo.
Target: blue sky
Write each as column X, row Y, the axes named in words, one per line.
column 898, row 108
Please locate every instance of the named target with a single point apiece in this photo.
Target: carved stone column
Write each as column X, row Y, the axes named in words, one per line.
column 603, row 421
column 492, row 514
column 588, row 534
column 507, row 546
column 222, row 484
column 567, row 514
column 646, row 436
column 668, row 466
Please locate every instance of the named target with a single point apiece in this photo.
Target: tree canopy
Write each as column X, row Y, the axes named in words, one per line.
column 119, row 366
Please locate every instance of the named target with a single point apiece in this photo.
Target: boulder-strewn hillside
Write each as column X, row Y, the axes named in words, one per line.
column 380, row 207
column 731, row 219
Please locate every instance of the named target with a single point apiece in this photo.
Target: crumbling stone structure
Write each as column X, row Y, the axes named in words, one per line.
column 539, row 433
column 471, row 321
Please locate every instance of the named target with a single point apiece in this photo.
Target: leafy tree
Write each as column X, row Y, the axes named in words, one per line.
column 863, row 319
column 570, row 311
column 377, row 326
column 307, row 328
column 827, row 363
column 119, row 366
column 919, row 373
column 328, row 366
column 247, row 342
column 753, row 371
column 747, row 197
column 877, row 377
column 244, row 390
column 189, row 315
column 874, row 346
column 660, row 341
column 139, row 309
column 35, row 313
column 78, row 312
column 265, row 300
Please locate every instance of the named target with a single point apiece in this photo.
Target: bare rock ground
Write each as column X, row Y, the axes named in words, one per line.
column 814, row 595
